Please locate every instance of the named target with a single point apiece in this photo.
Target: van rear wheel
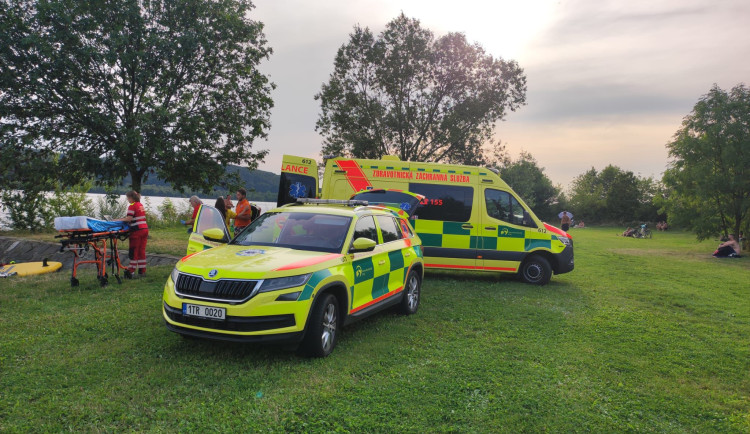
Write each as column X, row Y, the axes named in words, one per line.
column 535, row 270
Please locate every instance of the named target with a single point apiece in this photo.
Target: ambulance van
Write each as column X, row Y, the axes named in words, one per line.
column 469, row 218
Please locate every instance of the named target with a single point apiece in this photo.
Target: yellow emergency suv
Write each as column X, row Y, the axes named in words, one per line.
column 469, row 219
column 297, row 274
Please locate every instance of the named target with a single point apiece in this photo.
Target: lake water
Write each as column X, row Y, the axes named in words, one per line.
column 152, row 204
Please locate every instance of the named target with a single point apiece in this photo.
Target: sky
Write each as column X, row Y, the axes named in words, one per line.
column 608, row 82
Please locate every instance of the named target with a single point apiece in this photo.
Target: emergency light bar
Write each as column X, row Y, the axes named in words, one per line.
column 332, row 201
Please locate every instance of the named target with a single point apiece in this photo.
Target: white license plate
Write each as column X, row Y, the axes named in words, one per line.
column 204, row 311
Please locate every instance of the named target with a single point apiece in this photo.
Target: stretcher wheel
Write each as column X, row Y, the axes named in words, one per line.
column 117, row 276
column 73, row 282
column 103, row 281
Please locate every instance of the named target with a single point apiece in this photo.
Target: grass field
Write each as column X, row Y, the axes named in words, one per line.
column 645, row 335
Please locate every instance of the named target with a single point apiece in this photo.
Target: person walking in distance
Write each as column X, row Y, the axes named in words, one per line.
column 136, row 216
column 565, row 221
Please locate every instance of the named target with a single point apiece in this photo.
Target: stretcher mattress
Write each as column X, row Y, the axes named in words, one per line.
column 78, row 223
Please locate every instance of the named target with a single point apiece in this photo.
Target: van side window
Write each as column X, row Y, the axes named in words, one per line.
column 388, row 228
column 519, row 215
column 365, row 228
column 444, row 202
column 503, row 206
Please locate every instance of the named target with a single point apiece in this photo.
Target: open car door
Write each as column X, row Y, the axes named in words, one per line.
column 403, row 202
column 299, row 178
column 209, row 230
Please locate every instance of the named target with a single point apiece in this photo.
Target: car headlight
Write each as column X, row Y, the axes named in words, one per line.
column 174, row 275
column 564, row 240
column 284, row 282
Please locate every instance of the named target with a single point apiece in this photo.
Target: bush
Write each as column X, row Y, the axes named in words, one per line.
column 67, row 204
column 110, row 207
column 169, row 213
column 23, row 208
column 35, row 210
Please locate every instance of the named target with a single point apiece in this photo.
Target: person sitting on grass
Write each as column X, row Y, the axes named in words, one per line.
column 628, row 232
column 728, row 249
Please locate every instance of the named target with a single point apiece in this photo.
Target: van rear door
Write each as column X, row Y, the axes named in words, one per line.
column 299, row 178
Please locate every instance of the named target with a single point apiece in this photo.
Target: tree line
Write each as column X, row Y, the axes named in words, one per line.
column 171, row 90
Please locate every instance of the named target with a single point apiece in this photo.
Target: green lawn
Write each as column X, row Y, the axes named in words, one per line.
column 645, row 335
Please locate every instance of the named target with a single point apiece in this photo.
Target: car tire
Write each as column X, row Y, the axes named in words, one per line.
column 322, row 328
column 535, row 270
column 412, row 293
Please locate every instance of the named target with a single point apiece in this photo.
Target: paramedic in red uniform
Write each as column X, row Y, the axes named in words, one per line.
column 138, row 233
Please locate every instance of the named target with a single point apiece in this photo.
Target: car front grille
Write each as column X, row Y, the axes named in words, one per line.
column 223, row 290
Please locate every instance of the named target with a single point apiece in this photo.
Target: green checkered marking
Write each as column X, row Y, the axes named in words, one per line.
column 418, row 251
column 315, row 279
column 363, row 270
column 489, row 243
column 508, row 232
column 533, row 244
column 431, row 240
column 396, row 259
column 380, row 286
column 454, row 228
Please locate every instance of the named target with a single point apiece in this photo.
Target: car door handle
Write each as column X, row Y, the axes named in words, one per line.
column 406, row 255
column 490, row 228
column 467, row 226
column 381, row 262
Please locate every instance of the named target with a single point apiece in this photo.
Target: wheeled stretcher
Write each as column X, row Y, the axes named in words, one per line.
column 81, row 234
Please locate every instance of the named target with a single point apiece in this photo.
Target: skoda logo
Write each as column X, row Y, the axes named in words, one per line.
column 213, row 273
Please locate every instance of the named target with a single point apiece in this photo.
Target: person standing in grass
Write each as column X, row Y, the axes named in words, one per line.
column 221, row 207
column 565, row 221
column 196, row 203
column 230, row 214
column 244, row 211
column 136, row 216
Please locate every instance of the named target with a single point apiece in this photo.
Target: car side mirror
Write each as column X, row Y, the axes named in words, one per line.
column 214, row 234
column 363, row 245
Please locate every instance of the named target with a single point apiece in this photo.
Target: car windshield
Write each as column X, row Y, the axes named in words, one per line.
column 297, row 230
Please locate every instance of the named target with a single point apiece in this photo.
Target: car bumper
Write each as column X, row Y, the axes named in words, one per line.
column 260, row 319
column 565, row 260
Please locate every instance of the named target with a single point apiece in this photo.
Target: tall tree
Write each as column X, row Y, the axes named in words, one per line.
column 140, row 87
column 612, row 195
column 709, row 176
column 530, row 182
column 409, row 94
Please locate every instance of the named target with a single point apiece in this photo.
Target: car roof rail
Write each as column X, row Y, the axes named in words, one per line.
column 309, row 200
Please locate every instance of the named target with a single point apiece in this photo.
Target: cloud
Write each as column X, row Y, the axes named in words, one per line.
column 608, row 81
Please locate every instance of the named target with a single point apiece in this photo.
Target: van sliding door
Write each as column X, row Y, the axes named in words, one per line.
column 443, row 222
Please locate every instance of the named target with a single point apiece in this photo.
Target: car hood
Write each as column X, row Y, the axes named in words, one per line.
column 255, row 262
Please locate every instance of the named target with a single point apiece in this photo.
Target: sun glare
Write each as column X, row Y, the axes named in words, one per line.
column 504, row 28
